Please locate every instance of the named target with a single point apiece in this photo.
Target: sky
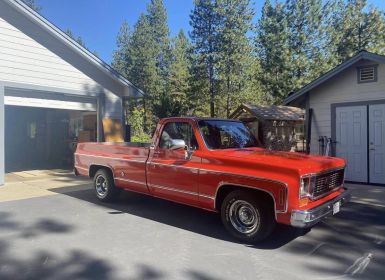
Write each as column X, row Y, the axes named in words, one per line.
column 98, row 21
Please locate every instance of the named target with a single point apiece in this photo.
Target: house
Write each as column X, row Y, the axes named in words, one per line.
column 53, row 92
column 275, row 127
column 347, row 106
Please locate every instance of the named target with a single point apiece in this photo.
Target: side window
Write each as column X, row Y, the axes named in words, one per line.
column 178, row 131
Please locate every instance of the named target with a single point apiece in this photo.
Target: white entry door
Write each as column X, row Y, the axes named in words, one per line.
column 352, row 141
column 377, row 144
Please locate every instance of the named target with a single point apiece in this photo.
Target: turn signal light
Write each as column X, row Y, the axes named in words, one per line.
column 303, row 201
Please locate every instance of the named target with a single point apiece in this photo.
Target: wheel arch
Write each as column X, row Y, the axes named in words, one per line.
column 95, row 167
column 225, row 188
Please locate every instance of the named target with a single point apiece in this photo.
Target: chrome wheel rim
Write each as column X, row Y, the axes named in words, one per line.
column 243, row 217
column 101, row 186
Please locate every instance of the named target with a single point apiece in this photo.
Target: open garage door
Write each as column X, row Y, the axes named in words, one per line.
column 42, row 128
column 44, row 138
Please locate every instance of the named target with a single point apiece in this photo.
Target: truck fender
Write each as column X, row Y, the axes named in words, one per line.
column 95, row 167
column 224, row 184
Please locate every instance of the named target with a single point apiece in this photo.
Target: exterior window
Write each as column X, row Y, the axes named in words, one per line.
column 367, row 74
column 178, row 131
column 225, row 134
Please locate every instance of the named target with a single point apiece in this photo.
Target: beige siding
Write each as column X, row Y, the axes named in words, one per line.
column 341, row 89
column 23, row 60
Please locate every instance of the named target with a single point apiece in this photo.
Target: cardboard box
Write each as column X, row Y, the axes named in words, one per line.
column 113, row 130
column 87, row 136
column 89, row 122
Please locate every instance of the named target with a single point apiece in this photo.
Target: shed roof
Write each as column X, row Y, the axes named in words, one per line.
column 274, row 112
column 333, row 72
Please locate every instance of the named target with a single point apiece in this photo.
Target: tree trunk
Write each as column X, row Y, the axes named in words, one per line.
column 145, row 128
column 212, row 91
column 228, row 98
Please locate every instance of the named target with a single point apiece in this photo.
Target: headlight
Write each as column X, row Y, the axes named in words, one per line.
column 306, row 186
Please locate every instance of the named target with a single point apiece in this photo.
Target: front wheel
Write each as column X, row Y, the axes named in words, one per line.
column 105, row 188
column 247, row 217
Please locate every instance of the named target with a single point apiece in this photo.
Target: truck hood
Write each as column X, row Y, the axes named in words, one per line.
column 302, row 163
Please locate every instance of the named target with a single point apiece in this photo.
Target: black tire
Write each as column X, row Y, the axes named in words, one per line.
column 104, row 186
column 247, row 217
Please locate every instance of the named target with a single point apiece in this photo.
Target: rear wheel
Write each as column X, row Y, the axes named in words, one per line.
column 105, row 188
column 247, row 217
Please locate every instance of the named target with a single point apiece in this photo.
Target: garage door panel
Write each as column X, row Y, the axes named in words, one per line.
column 46, row 103
column 39, row 99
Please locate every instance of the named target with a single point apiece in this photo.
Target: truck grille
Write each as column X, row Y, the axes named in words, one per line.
column 327, row 182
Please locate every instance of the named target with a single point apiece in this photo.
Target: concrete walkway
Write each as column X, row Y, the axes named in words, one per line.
column 368, row 194
column 38, row 183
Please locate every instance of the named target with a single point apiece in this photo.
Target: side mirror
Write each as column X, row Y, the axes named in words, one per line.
column 176, row 144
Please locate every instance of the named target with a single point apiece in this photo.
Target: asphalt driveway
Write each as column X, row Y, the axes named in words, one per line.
column 52, row 227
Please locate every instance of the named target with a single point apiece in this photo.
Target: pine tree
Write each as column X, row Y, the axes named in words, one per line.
column 32, row 4
column 143, row 71
column 204, row 21
column 234, row 50
column 357, row 27
column 274, row 53
column 145, row 57
column 157, row 17
column 307, row 34
column 180, row 75
column 78, row 39
column 121, row 61
column 293, row 38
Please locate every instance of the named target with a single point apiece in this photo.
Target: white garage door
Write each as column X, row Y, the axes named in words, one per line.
column 39, row 99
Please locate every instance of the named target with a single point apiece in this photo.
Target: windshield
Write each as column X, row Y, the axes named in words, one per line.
column 222, row 134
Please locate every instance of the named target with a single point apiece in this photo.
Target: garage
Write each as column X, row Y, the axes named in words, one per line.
column 54, row 93
column 44, row 127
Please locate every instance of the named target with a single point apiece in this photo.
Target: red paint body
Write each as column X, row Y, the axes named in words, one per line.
column 196, row 182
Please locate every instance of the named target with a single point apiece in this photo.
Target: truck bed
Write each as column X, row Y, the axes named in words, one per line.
column 127, row 160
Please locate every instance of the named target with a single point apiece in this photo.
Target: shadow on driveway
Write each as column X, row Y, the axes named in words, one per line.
column 181, row 216
column 351, row 244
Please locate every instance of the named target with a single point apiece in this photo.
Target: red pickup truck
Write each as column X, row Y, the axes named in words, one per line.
column 215, row 164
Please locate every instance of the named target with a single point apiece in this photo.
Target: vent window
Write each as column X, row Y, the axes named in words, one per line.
column 367, row 74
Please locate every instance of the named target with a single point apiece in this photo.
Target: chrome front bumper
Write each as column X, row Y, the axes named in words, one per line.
column 308, row 218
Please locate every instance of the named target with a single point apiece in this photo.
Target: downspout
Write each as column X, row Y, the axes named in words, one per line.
column 99, row 117
column 309, row 118
column 308, row 129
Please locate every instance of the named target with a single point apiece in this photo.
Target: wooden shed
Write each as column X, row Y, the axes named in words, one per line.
column 275, row 127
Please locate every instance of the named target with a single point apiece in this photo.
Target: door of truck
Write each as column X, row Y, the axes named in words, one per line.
column 171, row 174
